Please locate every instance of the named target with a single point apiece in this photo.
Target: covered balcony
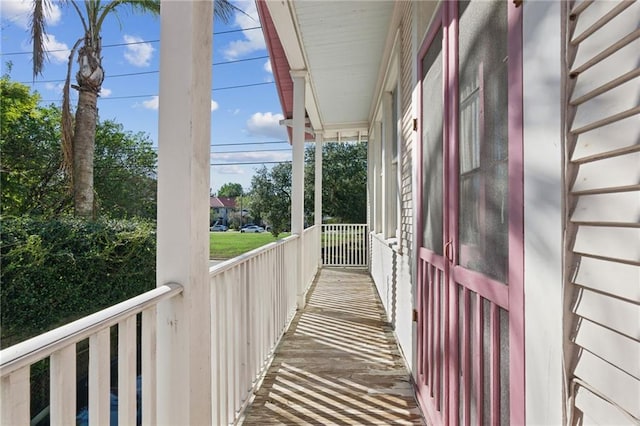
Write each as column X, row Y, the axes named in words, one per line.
column 293, row 332
column 333, row 361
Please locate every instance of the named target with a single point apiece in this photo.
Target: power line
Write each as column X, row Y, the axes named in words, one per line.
column 155, row 148
column 248, row 143
column 245, row 164
column 129, row 43
column 253, row 150
column 148, row 72
column 240, row 86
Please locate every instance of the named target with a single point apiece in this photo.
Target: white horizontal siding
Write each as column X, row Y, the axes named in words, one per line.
column 609, row 242
column 605, row 343
column 596, row 275
column 609, row 380
column 610, row 312
column 597, row 411
column 610, row 172
column 618, row 207
column 609, row 138
column 604, row 212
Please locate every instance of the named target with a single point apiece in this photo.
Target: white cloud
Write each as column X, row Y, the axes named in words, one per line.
column 151, row 103
column 54, row 87
column 57, row 51
column 19, row 12
column 230, row 170
column 266, row 124
column 250, row 157
column 154, row 102
column 267, row 67
column 138, row 54
column 253, row 39
column 104, row 92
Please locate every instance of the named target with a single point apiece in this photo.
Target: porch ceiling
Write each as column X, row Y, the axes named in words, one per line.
column 341, row 45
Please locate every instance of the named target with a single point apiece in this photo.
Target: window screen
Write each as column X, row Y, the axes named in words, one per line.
column 432, row 135
column 483, row 142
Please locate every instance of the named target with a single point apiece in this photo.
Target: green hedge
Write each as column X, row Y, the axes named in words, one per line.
column 55, row 271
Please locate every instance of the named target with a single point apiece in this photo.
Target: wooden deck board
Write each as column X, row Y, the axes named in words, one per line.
column 338, row 362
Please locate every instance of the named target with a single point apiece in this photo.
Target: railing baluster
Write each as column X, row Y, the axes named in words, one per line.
column 237, row 341
column 466, row 357
column 252, row 319
column 60, row 345
column 229, row 342
column 245, row 363
column 127, row 371
column 216, row 345
column 63, row 384
column 438, row 337
column 15, row 398
column 332, row 246
column 99, row 378
column 223, row 366
column 479, row 359
column 149, row 340
column 430, row 331
column 494, row 376
column 343, row 245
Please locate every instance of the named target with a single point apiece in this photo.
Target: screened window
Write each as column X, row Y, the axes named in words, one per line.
column 483, row 141
column 432, row 141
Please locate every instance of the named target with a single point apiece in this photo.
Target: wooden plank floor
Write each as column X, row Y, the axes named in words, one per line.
column 338, row 362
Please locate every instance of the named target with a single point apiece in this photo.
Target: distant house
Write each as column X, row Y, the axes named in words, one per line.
column 222, row 207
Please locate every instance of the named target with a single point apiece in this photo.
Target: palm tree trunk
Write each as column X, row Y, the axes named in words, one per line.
column 83, row 150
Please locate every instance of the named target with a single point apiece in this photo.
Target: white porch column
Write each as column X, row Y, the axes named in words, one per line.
column 318, row 180
column 297, row 175
column 318, row 192
column 377, row 179
column 184, row 322
column 388, row 185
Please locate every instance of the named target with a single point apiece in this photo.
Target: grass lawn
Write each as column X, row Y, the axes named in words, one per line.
column 225, row 245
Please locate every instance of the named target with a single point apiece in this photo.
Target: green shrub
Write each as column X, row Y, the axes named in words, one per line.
column 55, row 271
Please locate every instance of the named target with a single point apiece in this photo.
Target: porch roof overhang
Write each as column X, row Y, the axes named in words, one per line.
column 341, row 46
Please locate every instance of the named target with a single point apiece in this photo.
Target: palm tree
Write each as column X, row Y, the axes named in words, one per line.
column 78, row 142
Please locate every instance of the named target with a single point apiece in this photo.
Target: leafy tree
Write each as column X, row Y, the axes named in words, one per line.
column 271, row 196
column 31, row 179
column 125, row 171
column 231, row 190
column 344, row 195
column 344, row 181
column 79, row 139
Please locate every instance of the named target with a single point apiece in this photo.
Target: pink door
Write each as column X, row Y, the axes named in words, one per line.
column 470, row 295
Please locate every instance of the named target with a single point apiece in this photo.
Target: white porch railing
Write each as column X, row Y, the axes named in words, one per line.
column 59, row 346
column 345, row 245
column 253, row 299
column 312, row 253
column 383, row 272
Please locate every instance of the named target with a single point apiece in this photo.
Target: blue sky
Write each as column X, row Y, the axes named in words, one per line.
column 244, row 120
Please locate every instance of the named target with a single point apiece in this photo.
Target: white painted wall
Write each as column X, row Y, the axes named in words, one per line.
column 383, row 273
column 391, row 273
column 543, row 131
column 404, row 308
